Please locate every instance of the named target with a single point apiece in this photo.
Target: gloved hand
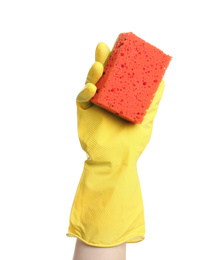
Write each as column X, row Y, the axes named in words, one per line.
column 108, row 207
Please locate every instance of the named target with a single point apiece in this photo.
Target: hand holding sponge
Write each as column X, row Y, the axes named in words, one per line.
column 108, row 207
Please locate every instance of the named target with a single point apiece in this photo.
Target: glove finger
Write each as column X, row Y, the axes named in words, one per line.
column 95, row 73
column 84, row 105
column 102, row 52
column 152, row 110
column 85, row 95
column 158, row 94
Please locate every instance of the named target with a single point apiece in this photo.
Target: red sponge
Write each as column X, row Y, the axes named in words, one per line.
column 131, row 77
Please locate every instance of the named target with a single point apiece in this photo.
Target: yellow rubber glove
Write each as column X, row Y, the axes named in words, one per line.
column 108, row 207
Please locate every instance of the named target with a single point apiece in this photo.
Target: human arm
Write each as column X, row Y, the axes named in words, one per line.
column 86, row 252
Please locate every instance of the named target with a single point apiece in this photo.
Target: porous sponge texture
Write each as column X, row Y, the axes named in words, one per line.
column 131, row 77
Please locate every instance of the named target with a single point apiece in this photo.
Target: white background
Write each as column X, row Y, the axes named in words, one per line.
column 46, row 50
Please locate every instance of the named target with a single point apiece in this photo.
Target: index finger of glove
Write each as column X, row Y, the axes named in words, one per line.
column 102, row 52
